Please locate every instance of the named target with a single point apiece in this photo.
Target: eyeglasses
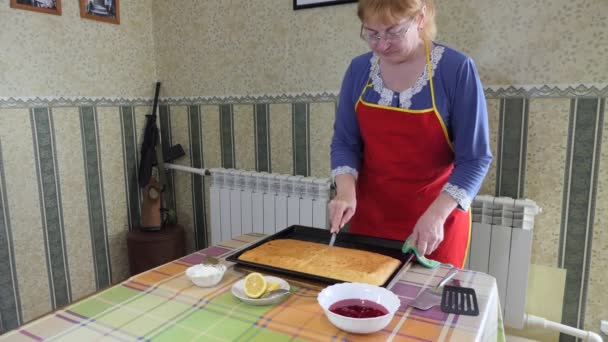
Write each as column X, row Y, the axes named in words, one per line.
column 388, row 36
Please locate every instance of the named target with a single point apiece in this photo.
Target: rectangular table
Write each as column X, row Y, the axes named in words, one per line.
column 162, row 304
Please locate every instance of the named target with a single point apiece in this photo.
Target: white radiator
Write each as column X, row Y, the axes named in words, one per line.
column 501, row 245
column 501, row 242
column 247, row 201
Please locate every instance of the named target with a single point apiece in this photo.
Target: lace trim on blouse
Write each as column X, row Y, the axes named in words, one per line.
column 340, row 170
column 458, row 194
column 405, row 97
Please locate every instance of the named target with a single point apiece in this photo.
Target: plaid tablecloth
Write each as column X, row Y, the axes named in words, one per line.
column 163, row 305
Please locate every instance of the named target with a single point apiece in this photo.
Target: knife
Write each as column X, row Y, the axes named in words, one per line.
column 332, row 240
column 404, row 268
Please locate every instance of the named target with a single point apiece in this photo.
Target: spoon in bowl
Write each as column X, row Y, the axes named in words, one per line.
column 210, row 260
column 280, row 292
column 276, row 293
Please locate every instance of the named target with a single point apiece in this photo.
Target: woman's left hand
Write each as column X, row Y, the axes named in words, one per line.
column 428, row 231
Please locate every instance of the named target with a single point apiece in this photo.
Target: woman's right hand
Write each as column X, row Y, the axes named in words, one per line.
column 343, row 206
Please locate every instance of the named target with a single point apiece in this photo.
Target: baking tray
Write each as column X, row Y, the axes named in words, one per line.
column 387, row 247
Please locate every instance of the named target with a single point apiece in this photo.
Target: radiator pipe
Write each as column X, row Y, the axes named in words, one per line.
column 202, row 172
column 540, row 322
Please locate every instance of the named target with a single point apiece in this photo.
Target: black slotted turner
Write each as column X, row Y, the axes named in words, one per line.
column 459, row 300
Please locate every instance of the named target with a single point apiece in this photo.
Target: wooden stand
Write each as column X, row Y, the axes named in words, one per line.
column 153, row 248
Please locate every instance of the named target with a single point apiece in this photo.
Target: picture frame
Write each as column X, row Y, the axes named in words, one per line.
column 101, row 10
column 42, row 6
column 302, row 4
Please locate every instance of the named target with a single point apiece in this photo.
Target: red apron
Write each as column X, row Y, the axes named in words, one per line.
column 407, row 159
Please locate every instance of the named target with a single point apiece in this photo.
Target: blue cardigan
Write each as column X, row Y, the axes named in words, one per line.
column 459, row 98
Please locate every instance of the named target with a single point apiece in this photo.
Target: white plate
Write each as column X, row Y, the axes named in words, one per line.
column 239, row 292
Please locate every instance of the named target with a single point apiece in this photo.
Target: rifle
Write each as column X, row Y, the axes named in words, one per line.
column 152, row 155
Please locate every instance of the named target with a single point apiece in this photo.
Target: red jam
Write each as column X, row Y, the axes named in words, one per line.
column 358, row 308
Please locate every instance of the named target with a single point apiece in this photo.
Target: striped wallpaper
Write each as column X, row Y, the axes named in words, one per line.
column 579, row 162
column 69, row 194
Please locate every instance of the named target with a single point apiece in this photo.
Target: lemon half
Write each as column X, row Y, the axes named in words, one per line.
column 255, row 285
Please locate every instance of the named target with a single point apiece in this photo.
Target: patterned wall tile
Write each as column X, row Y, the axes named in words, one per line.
column 281, row 138
column 130, row 160
column 489, row 184
column 586, row 122
column 597, row 306
column 278, row 60
column 22, row 194
column 275, row 25
column 510, row 166
column 536, row 33
column 73, row 187
column 321, row 130
column 45, row 149
column 183, row 182
column 120, row 64
column 112, row 154
column 95, row 196
column 262, row 137
column 119, row 256
column 211, row 136
column 196, row 156
column 244, row 146
column 227, row 135
column 300, row 122
column 10, row 301
column 545, row 163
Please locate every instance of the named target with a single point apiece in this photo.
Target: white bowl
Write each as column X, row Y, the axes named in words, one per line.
column 238, row 290
column 380, row 295
column 206, row 275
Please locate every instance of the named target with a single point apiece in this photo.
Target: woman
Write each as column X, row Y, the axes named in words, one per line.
column 410, row 146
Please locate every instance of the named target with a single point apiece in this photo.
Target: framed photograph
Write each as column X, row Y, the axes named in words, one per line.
column 44, row 6
column 301, row 4
column 101, row 10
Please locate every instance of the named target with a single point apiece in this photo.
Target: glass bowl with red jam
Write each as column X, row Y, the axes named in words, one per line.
column 358, row 308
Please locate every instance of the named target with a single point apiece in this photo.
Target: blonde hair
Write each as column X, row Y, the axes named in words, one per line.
column 391, row 11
